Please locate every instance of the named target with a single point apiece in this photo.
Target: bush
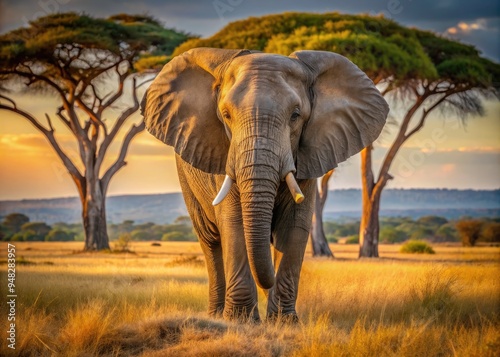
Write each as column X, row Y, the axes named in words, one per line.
column 150, row 231
column 446, row 233
column 416, row 246
column 331, row 238
column 408, row 227
column 75, row 230
column 123, row 243
column 491, row 232
column 80, row 237
column 32, row 236
column 392, row 235
column 435, row 221
column 14, row 221
column 40, row 229
column 178, row 237
column 57, row 235
column 352, row 240
column 422, row 233
column 140, row 235
column 18, row 237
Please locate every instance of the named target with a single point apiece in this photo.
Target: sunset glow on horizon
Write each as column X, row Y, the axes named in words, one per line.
column 466, row 157
column 444, row 154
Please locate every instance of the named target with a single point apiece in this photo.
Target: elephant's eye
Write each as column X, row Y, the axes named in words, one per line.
column 225, row 115
column 295, row 114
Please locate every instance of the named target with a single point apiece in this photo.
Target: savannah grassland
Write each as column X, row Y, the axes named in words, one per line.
column 153, row 303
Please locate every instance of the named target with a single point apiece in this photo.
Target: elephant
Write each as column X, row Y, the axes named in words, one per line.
column 252, row 132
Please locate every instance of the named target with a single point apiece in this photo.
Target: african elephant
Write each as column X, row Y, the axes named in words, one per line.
column 255, row 127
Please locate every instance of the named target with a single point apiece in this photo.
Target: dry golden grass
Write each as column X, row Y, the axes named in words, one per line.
column 153, row 303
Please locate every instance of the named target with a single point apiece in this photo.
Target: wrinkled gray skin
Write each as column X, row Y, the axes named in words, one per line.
column 256, row 117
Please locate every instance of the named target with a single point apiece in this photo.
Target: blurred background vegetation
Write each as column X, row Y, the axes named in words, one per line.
column 434, row 229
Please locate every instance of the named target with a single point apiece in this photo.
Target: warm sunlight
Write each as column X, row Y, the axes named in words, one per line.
column 249, row 178
column 151, row 168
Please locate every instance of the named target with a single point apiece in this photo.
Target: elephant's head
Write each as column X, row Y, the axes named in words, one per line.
column 257, row 118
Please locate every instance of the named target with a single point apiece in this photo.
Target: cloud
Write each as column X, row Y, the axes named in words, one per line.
column 448, row 168
column 37, row 145
column 33, row 141
column 484, row 149
column 148, row 146
column 12, row 145
column 483, row 33
column 453, row 169
column 464, row 149
column 466, row 27
column 22, row 142
column 477, row 168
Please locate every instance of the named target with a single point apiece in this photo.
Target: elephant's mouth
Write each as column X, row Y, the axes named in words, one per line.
column 292, row 184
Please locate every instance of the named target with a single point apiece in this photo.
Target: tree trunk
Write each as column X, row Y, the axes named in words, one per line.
column 369, row 228
column 94, row 218
column 320, row 247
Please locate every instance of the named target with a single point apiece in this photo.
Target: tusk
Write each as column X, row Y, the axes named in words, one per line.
column 224, row 190
column 294, row 188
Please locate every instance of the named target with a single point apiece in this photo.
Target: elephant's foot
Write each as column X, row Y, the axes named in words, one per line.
column 216, row 311
column 279, row 310
column 286, row 318
column 242, row 314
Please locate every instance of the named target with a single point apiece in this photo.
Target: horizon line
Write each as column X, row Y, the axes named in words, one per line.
column 177, row 192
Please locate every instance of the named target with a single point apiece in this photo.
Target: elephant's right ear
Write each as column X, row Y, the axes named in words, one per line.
column 180, row 108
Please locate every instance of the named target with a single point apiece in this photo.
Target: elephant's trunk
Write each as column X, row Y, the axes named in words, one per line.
column 258, row 176
column 257, row 218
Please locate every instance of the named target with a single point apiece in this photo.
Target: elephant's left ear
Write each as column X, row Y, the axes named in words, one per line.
column 348, row 113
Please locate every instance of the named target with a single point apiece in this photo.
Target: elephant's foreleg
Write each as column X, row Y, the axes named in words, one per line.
column 290, row 234
column 211, row 246
column 194, row 187
column 288, row 262
column 216, row 280
column 241, row 291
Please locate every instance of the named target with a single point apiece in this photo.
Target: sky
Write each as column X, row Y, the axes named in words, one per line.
column 445, row 154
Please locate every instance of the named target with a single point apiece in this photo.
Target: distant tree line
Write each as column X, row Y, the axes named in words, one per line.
column 181, row 230
column 430, row 228
column 18, row 227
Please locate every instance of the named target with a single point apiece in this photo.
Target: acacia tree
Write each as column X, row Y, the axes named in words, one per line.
column 90, row 65
column 458, row 83
column 469, row 231
column 428, row 71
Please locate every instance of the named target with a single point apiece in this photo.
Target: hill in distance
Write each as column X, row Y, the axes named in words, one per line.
column 165, row 208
